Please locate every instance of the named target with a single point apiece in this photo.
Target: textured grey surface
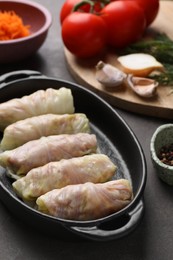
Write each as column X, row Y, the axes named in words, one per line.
column 151, row 240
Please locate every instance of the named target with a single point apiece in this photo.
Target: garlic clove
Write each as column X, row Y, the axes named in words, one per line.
column 109, row 75
column 139, row 64
column 143, row 87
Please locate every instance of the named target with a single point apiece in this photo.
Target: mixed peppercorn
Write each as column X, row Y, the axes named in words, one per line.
column 166, row 154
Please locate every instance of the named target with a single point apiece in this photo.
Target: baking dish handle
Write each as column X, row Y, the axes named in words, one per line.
column 16, row 75
column 98, row 233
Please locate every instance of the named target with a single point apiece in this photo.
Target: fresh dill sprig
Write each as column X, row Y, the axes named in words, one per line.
column 165, row 78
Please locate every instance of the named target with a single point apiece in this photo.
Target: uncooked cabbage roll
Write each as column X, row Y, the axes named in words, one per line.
column 55, row 175
column 86, row 201
column 54, row 101
column 33, row 128
column 46, row 149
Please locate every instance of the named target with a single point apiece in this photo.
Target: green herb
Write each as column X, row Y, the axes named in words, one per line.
column 165, row 78
column 161, row 47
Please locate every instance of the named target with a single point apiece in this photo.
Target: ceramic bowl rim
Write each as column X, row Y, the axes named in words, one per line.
column 44, row 28
column 152, row 149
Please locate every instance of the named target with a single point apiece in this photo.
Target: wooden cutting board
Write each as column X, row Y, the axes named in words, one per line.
column 160, row 106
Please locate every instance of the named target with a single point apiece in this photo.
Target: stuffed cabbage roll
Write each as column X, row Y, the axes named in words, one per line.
column 55, row 175
column 86, row 201
column 54, row 101
column 46, row 149
column 33, row 128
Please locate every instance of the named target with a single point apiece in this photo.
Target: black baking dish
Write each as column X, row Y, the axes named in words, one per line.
column 115, row 139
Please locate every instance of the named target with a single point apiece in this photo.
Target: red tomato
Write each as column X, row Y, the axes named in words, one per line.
column 125, row 22
column 84, row 34
column 151, row 9
column 67, row 8
column 69, row 5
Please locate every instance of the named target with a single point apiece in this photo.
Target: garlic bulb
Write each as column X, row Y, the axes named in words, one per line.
column 143, row 87
column 109, row 75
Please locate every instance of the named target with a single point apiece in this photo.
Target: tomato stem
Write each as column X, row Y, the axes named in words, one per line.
column 91, row 3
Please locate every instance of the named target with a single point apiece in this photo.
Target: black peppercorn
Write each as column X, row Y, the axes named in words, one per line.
column 166, row 154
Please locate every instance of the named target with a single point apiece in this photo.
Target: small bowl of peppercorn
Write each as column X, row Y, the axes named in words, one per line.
column 161, row 148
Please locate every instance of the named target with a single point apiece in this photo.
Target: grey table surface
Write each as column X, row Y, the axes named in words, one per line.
column 151, row 240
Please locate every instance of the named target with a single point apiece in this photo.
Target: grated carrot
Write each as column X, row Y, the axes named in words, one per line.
column 11, row 26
